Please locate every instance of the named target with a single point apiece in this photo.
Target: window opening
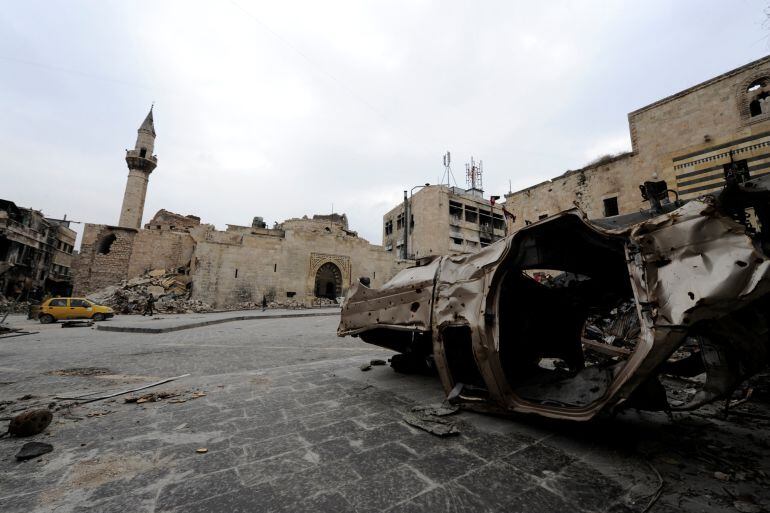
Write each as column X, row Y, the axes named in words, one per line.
column 105, row 245
column 611, row 207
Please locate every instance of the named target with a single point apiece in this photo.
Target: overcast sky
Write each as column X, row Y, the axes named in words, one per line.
column 281, row 109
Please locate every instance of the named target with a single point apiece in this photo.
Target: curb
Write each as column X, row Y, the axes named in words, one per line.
column 200, row 324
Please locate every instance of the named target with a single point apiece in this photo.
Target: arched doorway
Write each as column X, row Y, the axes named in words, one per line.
column 328, row 281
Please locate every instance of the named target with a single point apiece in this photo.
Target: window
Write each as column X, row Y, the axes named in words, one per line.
column 388, row 227
column 275, row 268
column 411, row 222
column 143, row 152
column 236, row 273
column 542, row 216
column 471, row 215
column 291, row 294
column 58, row 302
column 738, row 170
column 399, row 221
column 455, row 211
column 82, row 303
column 456, row 240
column 105, row 245
column 758, row 97
column 611, row 207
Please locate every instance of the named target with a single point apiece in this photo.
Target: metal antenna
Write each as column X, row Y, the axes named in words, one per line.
column 448, row 170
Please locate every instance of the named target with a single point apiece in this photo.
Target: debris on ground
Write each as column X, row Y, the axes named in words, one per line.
column 150, row 398
column 83, row 323
column 179, row 397
column 365, row 367
column 170, row 288
column 435, row 425
column 201, row 450
column 30, row 423
column 89, row 398
column 438, row 411
column 80, row 371
column 33, row 450
column 377, row 362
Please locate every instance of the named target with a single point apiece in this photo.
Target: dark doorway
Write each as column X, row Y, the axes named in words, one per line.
column 328, row 281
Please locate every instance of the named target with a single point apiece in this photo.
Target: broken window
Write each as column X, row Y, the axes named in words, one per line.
column 399, row 221
column 411, row 222
column 291, row 294
column 105, row 244
column 471, row 214
column 455, row 211
column 388, row 227
column 611, row 206
column 143, row 152
column 498, row 222
column 456, row 240
column 58, row 302
column 760, row 99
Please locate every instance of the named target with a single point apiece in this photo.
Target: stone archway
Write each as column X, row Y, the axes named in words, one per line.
column 328, row 281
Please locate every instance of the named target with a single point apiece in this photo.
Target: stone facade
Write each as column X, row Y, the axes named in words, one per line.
column 239, row 265
column 443, row 220
column 690, row 139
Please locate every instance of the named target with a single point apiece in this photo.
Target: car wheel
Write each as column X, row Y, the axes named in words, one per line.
column 46, row 319
column 98, row 317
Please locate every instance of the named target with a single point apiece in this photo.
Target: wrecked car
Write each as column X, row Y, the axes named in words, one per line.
column 570, row 317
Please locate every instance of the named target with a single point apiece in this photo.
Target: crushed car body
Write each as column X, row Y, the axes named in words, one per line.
column 569, row 317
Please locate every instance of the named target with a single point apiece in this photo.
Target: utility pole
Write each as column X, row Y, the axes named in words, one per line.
column 406, row 226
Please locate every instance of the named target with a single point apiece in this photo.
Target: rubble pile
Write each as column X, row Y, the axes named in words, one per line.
column 11, row 306
column 170, row 288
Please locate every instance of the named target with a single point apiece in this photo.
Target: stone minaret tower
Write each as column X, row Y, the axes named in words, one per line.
column 140, row 162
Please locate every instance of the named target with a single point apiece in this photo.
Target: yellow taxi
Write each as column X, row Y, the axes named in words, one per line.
column 64, row 308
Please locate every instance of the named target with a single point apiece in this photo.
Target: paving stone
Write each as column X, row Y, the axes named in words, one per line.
column 238, row 500
column 449, row 498
column 277, row 467
column 538, row 500
column 383, row 490
column 379, row 459
column 197, row 490
column 491, row 446
column 335, row 449
column 539, row 458
column 497, row 482
column 367, row 439
column 444, row 465
column 322, row 434
column 274, row 446
column 325, row 502
column 579, row 483
column 317, row 479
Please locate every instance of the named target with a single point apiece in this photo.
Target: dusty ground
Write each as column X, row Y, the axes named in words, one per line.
column 290, row 423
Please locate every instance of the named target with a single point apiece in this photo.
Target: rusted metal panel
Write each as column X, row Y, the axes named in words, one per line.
column 698, row 277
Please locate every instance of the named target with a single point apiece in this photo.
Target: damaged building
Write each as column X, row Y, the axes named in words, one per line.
column 297, row 261
column 36, row 253
column 693, row 140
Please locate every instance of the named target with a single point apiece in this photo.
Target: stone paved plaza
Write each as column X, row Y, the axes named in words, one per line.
column 291, row 423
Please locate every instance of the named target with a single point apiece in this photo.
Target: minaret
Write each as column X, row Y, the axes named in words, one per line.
column 140, row 162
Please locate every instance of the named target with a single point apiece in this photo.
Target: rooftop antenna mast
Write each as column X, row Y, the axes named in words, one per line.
column 448, row 171
column 473, row 173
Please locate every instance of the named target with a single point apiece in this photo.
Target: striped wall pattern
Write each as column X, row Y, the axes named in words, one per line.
column 702, row 172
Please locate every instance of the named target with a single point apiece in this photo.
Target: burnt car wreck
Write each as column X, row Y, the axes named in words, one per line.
column 678, row 291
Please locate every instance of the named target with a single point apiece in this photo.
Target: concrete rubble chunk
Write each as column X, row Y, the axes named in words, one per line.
column 33, row 450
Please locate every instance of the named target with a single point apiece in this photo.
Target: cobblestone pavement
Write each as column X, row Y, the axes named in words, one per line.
column 291, row 424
